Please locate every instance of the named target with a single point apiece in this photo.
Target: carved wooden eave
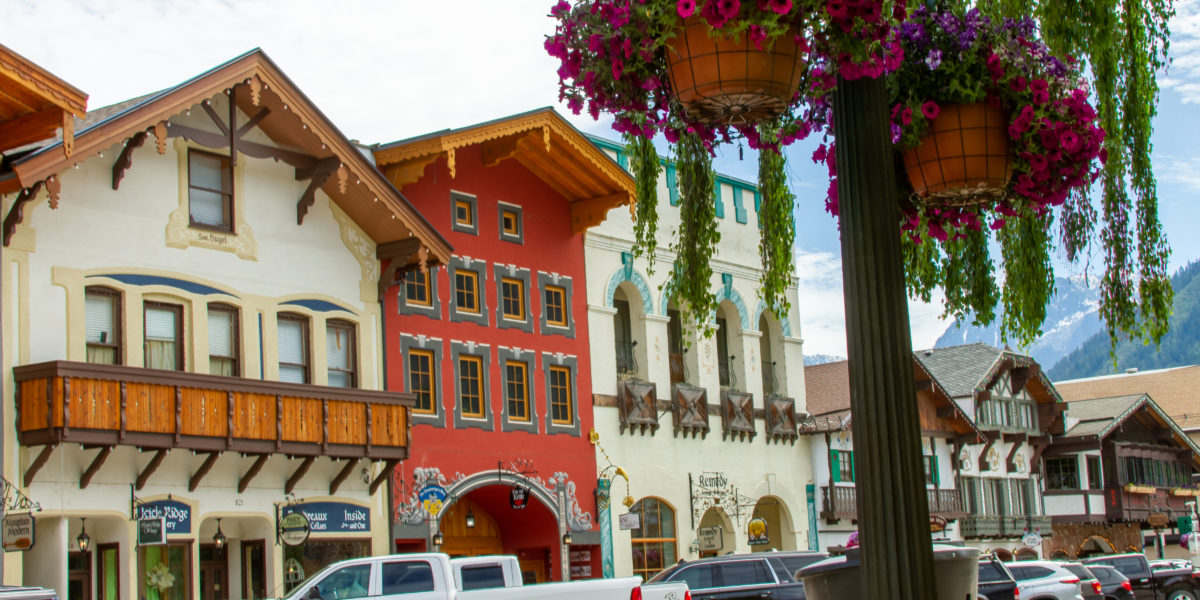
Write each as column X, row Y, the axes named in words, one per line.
column 35, row 103
column 946, row 407
column 303, row 138
column 542, row 141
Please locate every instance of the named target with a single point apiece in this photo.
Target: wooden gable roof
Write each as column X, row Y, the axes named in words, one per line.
column 34, row 103
column 307, row 140
column 542, row 141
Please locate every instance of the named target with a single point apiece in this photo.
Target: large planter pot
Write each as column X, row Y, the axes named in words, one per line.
column 722, row 80
column 964, row 159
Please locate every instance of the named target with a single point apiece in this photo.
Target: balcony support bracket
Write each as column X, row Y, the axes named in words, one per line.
column 38, row 463
column 298, row 474
column 383, row 475
column 151, row 467
column 97, row 462
column 254, row 469
column 342, row 475
column 194, row 482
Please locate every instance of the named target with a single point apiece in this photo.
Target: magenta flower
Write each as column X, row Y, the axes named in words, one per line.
column 757, row 35
column 931, row 110
column 618, row 67
column 685, row 8
column 780, row 6
column 906, row 116
column 1070, row 142
column 728, row 8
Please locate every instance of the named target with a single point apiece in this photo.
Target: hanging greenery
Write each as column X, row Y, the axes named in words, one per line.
column 645, row 167
column 1125, row 44
column 775, row 221
column 697, row 236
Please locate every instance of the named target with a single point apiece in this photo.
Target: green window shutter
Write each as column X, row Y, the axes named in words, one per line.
column 739, row 210
column 835, row 469
column 851, row 465
column 672, row 184
column 937, row 478
column 623, row 160
column 717, row 199
column 757, row 207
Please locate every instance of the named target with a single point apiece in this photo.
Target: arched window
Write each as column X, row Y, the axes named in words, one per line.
column 654, row 541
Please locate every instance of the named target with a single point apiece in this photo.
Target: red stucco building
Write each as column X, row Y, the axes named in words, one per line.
column 495, row 344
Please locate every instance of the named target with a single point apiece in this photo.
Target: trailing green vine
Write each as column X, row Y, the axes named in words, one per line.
column 776, row 223
column 696, row 239
column 644, row 164
column 1028, row 276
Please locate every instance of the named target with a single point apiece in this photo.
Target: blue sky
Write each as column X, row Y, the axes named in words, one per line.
column 384, row 71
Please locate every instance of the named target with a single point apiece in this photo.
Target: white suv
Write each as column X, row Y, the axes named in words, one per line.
column 1045, row 580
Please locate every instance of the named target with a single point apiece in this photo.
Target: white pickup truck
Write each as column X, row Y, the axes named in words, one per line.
column 439, row 577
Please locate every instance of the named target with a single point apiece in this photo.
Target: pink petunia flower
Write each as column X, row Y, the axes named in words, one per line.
column 931, row 110
column 728, row 8
column 780, row 6
column 906, row 116
column 685, row 8
column 618, row 67
column 757, row 35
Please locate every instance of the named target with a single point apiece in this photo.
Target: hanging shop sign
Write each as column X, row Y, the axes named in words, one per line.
column 711, row 538
column 333, row 517
column 1158, row 520
column 18, row 532
column 630, row 521
column 432, row 497
column 937, row 523
column 518, row 498
column 152, row 531
column 177, row 515
column 294, row 528
column 757, row 531
column 1031, row 539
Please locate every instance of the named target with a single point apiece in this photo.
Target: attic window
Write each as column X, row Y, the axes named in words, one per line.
column 210, row 191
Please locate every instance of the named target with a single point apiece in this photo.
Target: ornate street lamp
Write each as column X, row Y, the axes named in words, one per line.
column 567, row 538
column 470, row 519
column 84, row 540
column 438, row 539
column 219, row 536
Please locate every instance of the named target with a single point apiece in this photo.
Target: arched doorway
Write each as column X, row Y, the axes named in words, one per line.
column 1093, row 546
column 484, row 521
column 1026, row 554
column 1003, row 555
column 776, row 526
column 715, row 535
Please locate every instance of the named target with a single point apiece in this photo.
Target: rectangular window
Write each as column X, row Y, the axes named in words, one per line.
column 420, row 380
column 470, row 391
column 102, row 325
column 462, row 213
column 466, row 291
column 560, row 396
column 293, row 348
column 1062, row 473
column 164, row 339
column 416, row 288
column 512, row 299
column 340, row 358
column 210, row 190
column 556, row 313
column 931, row 470
column 516, row 390
column 845, row 466
column 223, row 340
column 509, row 222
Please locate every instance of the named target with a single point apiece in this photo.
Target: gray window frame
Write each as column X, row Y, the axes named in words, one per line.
column 433, row 311
column 529, row 357
column 567, row 284
column 499, row 274
column 572, row 365
column 484, row 352
column 473, row 228
column 479, row 268
column 519, row 237
column 434, row 345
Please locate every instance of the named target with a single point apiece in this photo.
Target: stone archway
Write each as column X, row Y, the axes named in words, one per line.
column 778, row 519
column 1094, row 545
column 726, row 538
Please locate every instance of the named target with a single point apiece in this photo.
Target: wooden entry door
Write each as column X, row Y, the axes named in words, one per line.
column 533, row 570
column 480, row 539
column 108, row 572
column 254, row 569
column 79, row 576
column 214, row 573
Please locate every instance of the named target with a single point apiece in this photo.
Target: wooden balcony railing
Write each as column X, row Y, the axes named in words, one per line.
column 781, row 419
column 689, row 410
column 841, row 505
column 975, row 526
column 110, row 405
column 1133, row 502
column 737, row 415
column 637, row 405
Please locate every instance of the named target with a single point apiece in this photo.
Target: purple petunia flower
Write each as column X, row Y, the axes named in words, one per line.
column 934, row 60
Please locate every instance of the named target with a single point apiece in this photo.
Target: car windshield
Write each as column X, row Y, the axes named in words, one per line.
column 796, row 562
column 295, row 595
column 1079, row 571
column 990, row 571
column 1107, row 575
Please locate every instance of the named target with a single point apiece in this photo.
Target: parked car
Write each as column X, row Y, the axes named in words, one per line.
column 995, row 582
column 1045, row 580
column 1114, row 585
column 1089, row 584
column 737, row 576
column 1165, row 584
column 438, row 577
column 1170, row 563
column 17, row 592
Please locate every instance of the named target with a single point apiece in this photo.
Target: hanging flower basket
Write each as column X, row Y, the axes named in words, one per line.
column 731, row 80
column 964, row 159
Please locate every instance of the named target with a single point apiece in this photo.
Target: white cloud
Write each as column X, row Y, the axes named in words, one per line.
column 822, row 307
column 1181, row 170
column 1183, row 75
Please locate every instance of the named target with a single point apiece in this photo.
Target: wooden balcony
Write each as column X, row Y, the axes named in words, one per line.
column 1135, row 502
column 689, row 410
column 781, row 419
column 637, row 405
column 737, row 415
column 976, row 526
column 106, row 405
column 841, row 505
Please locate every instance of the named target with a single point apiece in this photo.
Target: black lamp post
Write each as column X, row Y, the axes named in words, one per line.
column 84, row 540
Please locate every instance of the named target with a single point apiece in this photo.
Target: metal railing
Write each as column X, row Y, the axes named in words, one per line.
column 626, row 358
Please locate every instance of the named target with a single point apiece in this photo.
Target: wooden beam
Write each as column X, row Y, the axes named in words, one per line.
column 298, row 474
column 323, row 166
column 383, row 476
column 254, row 149
column 33, row 127
column 16, row 214
column 495, row 151
column 194, row 482
column 151, row 467
column 97, row 462
column 410, row 171
column 255, row 120
column 125, row 160
column 254, row 469
column 310, row 196
column 591, row 212
column 1012, row 453
column 341, row 476
column 983, row 466
column 38, row 463
column 400, row 249
column 212, row 114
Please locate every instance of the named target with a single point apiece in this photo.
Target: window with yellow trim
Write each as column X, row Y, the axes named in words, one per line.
column 560, row 396
column 462, row 213
column 470, row 390
column 420, row 380
column 416, row 288
column 466, row 291
column 654, row 541
column 512, row 300
column 516, row 390
column 508, row 220
column 555, row 305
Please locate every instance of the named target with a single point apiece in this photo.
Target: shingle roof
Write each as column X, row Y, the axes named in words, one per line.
column 959, row 369
column 1098, row 415
column 827, row 387
column 1175, row 390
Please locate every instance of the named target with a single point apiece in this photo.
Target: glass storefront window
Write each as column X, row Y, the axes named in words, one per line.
column 178, row 559
column 308, row 558
column 654, row 541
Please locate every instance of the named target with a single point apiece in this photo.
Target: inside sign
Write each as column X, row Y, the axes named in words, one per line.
column 630, row 521
column 18, row 532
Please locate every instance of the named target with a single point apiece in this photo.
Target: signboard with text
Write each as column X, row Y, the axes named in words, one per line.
column 152, row 531
column 710, row 538
column 630, row 521
column 333, row 517
column 178, row 515
column 18, row 532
